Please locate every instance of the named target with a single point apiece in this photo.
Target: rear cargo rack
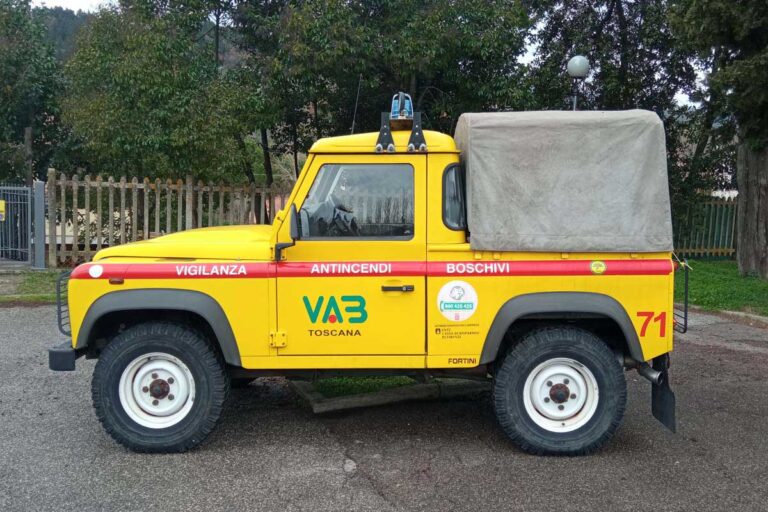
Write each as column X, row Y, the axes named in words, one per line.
column 62, row 304
column 681, row 315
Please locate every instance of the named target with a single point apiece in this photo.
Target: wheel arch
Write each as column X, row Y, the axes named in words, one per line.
column 554, row 303
column 198, row 305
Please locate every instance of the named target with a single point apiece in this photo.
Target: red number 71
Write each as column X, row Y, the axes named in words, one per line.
column 651, row 315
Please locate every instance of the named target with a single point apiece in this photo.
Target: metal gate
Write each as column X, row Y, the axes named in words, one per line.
column 15, row 223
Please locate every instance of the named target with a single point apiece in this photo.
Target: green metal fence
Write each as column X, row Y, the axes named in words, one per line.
column 707, row 230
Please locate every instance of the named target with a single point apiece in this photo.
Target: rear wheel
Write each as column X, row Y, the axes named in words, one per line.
column 560, row 391
column 159, row 387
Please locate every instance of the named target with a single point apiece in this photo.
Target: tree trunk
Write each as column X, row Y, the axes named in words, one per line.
column 216, row 36
column 295, row 148
column 247, row 167
column 267, row 159
column 752, row 222
column 316, row 117
column 623, row 100
column 709, row 113
column 28, row 163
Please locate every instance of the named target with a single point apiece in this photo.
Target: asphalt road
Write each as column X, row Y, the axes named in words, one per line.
column 271, row 453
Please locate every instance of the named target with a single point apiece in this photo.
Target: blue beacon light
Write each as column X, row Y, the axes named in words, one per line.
column 399, row 112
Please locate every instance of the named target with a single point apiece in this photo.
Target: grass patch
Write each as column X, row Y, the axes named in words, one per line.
column 717, row 285
column 38, row 283
column 20, row 300
column 342, row 386
column 30, row 288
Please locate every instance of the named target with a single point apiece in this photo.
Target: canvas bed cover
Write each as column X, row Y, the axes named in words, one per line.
column 566, row 181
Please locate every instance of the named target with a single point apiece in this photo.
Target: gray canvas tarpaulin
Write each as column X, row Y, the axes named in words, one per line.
column 566, row 181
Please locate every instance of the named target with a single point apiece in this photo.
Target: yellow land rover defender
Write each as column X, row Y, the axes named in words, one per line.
column 533, row 249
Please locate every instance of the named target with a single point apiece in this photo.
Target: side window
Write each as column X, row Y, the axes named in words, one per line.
column 359, row 201
column 454, row 198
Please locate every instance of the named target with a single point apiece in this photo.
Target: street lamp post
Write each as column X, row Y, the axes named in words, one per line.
column 578, row 68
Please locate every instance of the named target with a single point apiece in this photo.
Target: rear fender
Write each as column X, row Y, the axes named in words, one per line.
column 558, row 302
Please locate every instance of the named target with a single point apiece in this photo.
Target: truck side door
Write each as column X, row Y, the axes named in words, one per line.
column 354, row 284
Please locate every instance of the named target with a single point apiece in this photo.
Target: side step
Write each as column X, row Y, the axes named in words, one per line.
column 444, row 388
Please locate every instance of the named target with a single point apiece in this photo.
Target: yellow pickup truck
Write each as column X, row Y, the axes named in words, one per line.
column 532, row 249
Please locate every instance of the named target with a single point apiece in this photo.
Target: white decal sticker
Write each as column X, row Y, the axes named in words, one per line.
column 95, row 271
column 211, row 271
column 457, row 301
column 477, row 268
column 351, row 268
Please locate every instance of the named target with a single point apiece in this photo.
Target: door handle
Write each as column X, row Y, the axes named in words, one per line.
column 398, row 288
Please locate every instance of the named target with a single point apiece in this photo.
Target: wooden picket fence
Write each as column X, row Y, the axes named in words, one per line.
column 87, row 214
column 707, row 229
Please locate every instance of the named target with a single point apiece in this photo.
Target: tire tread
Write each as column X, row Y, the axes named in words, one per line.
column 528, row 348
column 193, row 342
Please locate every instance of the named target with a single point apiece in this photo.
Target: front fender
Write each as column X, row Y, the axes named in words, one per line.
column 164, row 300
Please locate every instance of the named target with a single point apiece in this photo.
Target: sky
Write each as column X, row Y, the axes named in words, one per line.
column 75, row 5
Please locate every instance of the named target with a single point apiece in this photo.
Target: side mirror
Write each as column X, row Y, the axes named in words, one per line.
column 295, row 232
column 295, row 224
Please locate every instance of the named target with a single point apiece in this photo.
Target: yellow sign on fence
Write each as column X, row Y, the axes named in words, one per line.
column 2, row 210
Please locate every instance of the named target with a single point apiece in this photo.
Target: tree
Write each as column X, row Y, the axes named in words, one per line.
column 29, row 82
column 301, row 52
column 636, row 62
column 313, row 56
column 62, row 26
column 145, row 96
column 452, row 57
column 733, row 38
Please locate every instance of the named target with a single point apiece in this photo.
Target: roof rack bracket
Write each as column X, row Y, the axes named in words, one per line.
column 417, row 142
column 385, row 141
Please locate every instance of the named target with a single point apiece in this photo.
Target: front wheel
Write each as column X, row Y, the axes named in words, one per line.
column 159, row 387
column 560, row 391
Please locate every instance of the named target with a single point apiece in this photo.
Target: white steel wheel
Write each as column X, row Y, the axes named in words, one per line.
column 559, row 390
column 560, row 395
column 157, row 390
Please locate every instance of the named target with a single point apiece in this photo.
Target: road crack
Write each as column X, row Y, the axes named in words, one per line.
column 359, row 469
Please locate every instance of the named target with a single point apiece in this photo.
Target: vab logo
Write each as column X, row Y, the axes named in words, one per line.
column 354, row 309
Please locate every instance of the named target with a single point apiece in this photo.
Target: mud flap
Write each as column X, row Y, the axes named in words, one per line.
column 662, row 397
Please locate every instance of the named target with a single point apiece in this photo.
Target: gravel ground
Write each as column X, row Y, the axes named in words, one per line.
column 271, row 453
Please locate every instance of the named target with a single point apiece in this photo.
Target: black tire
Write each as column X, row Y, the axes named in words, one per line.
column 204, row 364
column 536, row 348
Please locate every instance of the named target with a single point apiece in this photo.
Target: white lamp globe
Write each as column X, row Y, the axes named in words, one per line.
column 578, row 66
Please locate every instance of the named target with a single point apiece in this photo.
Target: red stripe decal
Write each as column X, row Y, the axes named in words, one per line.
column 174, row 270
column 352, row 268
column 548, row 268
column 368, row 268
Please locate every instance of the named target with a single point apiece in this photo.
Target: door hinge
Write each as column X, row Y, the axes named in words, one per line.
column 277, row 339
